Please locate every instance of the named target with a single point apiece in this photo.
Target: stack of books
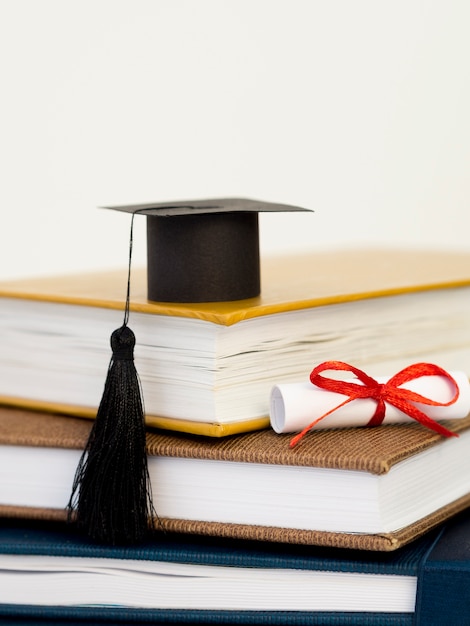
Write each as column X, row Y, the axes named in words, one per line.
column 352, row 526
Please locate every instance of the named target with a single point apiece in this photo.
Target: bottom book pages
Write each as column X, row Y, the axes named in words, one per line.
column 48, row 571
column 361, row 488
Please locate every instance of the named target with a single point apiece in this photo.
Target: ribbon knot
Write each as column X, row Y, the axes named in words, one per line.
column 390, row 392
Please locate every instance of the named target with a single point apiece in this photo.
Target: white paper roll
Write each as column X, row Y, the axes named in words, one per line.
column 293, row 406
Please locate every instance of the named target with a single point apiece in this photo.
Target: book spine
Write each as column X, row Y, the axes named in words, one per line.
column 443, row 594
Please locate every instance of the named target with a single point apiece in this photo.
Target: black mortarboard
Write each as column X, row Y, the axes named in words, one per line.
column 198, row 251
column 203, row 250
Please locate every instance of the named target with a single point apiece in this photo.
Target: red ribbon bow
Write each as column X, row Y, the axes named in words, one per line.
column 390, row 392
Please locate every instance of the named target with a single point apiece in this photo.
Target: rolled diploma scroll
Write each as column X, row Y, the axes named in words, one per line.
column 293, row 406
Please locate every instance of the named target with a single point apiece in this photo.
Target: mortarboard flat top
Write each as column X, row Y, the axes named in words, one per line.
column 212, row 205
column 203, row 250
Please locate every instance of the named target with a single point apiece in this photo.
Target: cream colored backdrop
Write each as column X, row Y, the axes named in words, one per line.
column 359, row 109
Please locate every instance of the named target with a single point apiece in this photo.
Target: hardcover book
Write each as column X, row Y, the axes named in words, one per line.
column 178, row 578
column 208, row 368
column 360, row 488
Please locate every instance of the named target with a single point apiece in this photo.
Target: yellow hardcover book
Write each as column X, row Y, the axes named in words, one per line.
column 208, row 368
column 361, row 488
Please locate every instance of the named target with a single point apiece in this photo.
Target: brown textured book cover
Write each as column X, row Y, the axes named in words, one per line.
column 374, row 450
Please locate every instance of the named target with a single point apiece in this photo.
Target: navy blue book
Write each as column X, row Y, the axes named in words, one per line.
column 49, row 574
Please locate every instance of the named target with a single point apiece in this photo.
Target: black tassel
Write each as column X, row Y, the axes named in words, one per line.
column 111, row 494
column 111, row 497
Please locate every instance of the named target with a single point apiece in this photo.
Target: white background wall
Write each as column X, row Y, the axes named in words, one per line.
column 359, row 109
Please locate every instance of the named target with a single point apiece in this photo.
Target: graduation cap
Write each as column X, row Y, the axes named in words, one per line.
column 198, row 251
column 203, row 250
